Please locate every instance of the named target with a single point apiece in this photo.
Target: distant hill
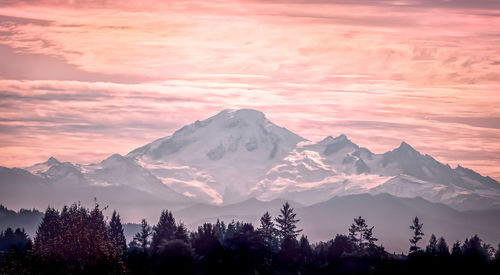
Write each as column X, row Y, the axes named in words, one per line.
column 24, row 218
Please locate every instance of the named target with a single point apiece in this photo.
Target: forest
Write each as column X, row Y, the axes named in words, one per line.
column 79, row 240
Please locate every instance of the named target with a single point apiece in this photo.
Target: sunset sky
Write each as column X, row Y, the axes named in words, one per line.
column 81, row 80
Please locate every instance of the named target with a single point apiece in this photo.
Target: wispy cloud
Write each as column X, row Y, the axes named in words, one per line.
column 84, row 79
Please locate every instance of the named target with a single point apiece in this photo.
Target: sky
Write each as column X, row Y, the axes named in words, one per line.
column 81, row 80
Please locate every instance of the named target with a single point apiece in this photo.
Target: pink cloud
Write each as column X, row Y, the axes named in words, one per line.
column 115, row 75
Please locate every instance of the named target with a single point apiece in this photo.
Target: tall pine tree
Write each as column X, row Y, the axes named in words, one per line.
column 287, row 223
column 417, row 235
column 432, row 247
column 442, row 247
column 361, row 234
column 266, row 229
column 164, row 230
column 116, row 234
column 48, row 236
column 141, row 238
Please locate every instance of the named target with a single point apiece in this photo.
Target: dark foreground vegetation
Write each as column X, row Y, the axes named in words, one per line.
column 78, row 240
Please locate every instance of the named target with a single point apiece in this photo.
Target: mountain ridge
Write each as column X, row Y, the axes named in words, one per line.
column 239, row 154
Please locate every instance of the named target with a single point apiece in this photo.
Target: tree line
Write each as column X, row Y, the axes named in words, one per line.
column 78, row 240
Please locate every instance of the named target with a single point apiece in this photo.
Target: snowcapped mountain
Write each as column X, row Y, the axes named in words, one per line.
column 219, row 159
column 315, row 172
column 237, row 155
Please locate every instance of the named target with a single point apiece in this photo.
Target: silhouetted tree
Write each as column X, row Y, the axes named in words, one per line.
column 205, row 240
column 305, row 250
column 181, row 233
column 9, row 238
column 78, row 241
column 473, row 251
column 164, row 230
column 442, row 248
column 287, row 223
column 340, row 245
column 116, row 234
column 81, row 242
column 456, row 251
column 368, row 236
column 247, row 249
column 417, row 235
column 432, row 247
column 174, row 257
column 141, row 238
column 48, row 236
column 220, row 231
column 361, row 234
column 267, row 230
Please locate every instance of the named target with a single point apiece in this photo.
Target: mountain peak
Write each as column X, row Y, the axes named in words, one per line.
column 406, row 147
column 330, row 139
column 113, row 158
column 341, row 137
column 246, row 114
column 52, row 160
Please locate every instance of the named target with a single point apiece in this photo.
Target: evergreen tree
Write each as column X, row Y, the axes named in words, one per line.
column 287, row 223
column 173, row 257
column 456, row 251
column 79, row 238
column 10, row 238
column 473, row 250
column 266, row 229
column 361, row 234
column 442, row 247
column 141, row 238
column 432, row 247
column 220, row 230
column 356, row 231
column 368, row 236
column 116, row 234
column 338, row 246
column 205, row 240
column 164, row 230
column 417, row 235
column 230, row 231
column 48, row 236
column 181, row 233
column 305, row 249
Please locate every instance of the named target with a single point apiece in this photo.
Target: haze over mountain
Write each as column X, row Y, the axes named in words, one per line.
column 240, row 156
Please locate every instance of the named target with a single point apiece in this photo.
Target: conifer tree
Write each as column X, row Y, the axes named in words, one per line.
column 361, row 234
column 417, row 235
column 79, row 238
column 164, row 230
column 266, row 229
column 220, row 230
column 432, row 248
column 9, row 238
column 356, row 231
column 456, row 250
column 181, row 233
column 287, row 224
column 442, row 247
column 116, row 234
column 142, row 237
column 368, row 237
column 305, row 248
column 48, row 236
